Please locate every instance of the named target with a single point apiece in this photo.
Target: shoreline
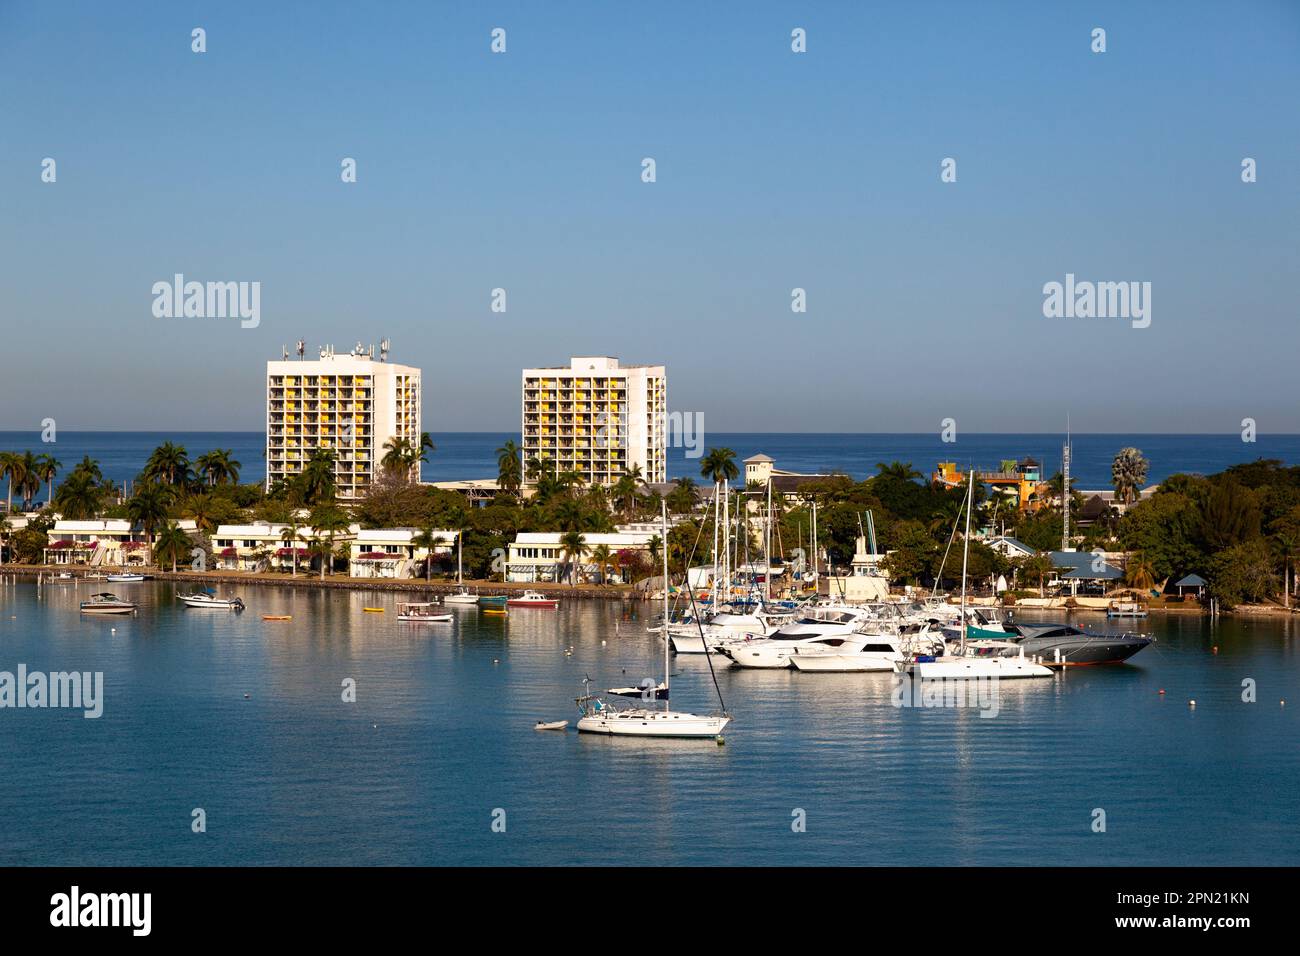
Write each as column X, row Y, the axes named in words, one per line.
column 623, row 593
column 586, row 592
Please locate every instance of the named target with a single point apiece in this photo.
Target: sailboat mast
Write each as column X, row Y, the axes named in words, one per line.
column 663, row 517
column 460, row 538
column 965, row 553
column 767, row 544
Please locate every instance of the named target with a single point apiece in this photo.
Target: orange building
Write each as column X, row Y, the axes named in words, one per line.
column 1022, row 479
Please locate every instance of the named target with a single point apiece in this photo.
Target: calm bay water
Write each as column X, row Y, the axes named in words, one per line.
column 441, row 735
column 462, row 455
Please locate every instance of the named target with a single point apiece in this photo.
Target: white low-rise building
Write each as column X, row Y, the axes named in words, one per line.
column 539, row 555
column 393, row 553
column 102, row 541
column 258, row 546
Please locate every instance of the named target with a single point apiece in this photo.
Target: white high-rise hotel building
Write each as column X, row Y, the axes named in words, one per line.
column 597, row 418
column 349, row 403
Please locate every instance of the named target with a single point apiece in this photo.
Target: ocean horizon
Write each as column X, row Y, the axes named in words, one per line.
column 464, row 455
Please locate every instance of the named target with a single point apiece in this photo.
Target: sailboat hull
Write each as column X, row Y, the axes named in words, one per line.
column 976, row 668
column 651, row 723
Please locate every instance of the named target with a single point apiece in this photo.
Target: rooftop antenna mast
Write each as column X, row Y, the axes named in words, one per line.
column 384, row 346
column 1065, row 488
column 302, row 347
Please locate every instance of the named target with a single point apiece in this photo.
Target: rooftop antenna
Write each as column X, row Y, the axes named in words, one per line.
column 302, row 347
column 284, row 353
column 384, row 346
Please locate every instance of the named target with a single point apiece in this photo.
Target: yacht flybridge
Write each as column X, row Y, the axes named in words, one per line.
column 599, row 717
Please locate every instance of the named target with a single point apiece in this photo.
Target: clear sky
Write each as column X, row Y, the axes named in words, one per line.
column 775, row 170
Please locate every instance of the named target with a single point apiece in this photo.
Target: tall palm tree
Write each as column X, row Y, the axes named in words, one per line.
column 397, row 456
column 1128, row 472
column 682, row 498
column 89, row 467
column 168, row 464
column 656, row 547
column 148, row 508
column 509, row 471
column 29, row 485
column 625, row 492
column 173, row 545
column 78, row 497
column 317, row 477
column 602, row 558
column 12, row 466
column 897, row 469
column 289, row 535
column 1139, row 572
column 719, row 465
column 430, row 540
column 329, row 521
column 200, row 508
column 573, row 543
column 1039, row 566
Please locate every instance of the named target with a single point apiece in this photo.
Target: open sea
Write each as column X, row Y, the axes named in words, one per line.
column 244, row 719
column 462, row 455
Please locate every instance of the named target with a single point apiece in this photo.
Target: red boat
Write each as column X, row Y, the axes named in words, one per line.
column 533, row 599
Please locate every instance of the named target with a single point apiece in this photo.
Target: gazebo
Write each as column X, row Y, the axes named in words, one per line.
column 1193, row 582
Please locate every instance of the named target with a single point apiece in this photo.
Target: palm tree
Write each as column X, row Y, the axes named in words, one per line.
column 1128, row 472
column 173, row 545
column 167, row 464
column 199, row 507
column 11, row 467
column 602, row 558
column 719, row 465
column 656, row 547
column 289, row 538
column 218, row 466
column 148, row 507
column 317, row 477
column 573, row 543
column 289, row 535
column 509, row 472
column 1038, row 565
column 329, row 521
column 430, row 541
column 79, row 497
column 682, row 498
column 897, row 469
column 31, row 482
column 1139, row 573
column 88, row 466
column 625, row 491
column 397, row 457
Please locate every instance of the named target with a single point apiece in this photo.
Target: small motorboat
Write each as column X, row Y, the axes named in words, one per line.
column 533, row 599
column 106, row 603
column 421, row 614
column 491, row 600
column 462, row 596
column 1126, row 609
column 550, row 725
column 208, row 599
column 124, row 578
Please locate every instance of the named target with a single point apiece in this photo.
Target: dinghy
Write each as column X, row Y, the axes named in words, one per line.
column 551, row 725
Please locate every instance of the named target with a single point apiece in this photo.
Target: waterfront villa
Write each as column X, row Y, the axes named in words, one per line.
column 760, row 469
column 392, row 553
column 539, row 556
column 257, row 546
column 103, row 541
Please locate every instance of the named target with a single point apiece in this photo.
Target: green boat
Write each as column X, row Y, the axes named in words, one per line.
column 492, row 600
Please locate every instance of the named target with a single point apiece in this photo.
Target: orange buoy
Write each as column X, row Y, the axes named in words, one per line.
column 1161, row 691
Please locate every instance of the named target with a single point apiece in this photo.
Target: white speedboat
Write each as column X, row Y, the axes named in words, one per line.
column 462, row 596
column 206, row 599
column 878, row 652
column 106, row 603
column 967, row 668
column 686, row 638
column 421, row 614
column 824, row 627
column 124, row 578
column 533, row 599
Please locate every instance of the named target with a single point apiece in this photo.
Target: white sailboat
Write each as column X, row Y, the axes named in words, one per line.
column 598, row 717
column 462, row 595
column 963, row 666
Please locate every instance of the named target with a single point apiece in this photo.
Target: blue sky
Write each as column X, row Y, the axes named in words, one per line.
column 775, row 170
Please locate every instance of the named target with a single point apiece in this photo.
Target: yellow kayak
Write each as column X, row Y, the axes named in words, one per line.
column 373, row 610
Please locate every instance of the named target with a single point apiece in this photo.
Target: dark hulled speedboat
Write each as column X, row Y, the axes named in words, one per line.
column 1063, row 645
